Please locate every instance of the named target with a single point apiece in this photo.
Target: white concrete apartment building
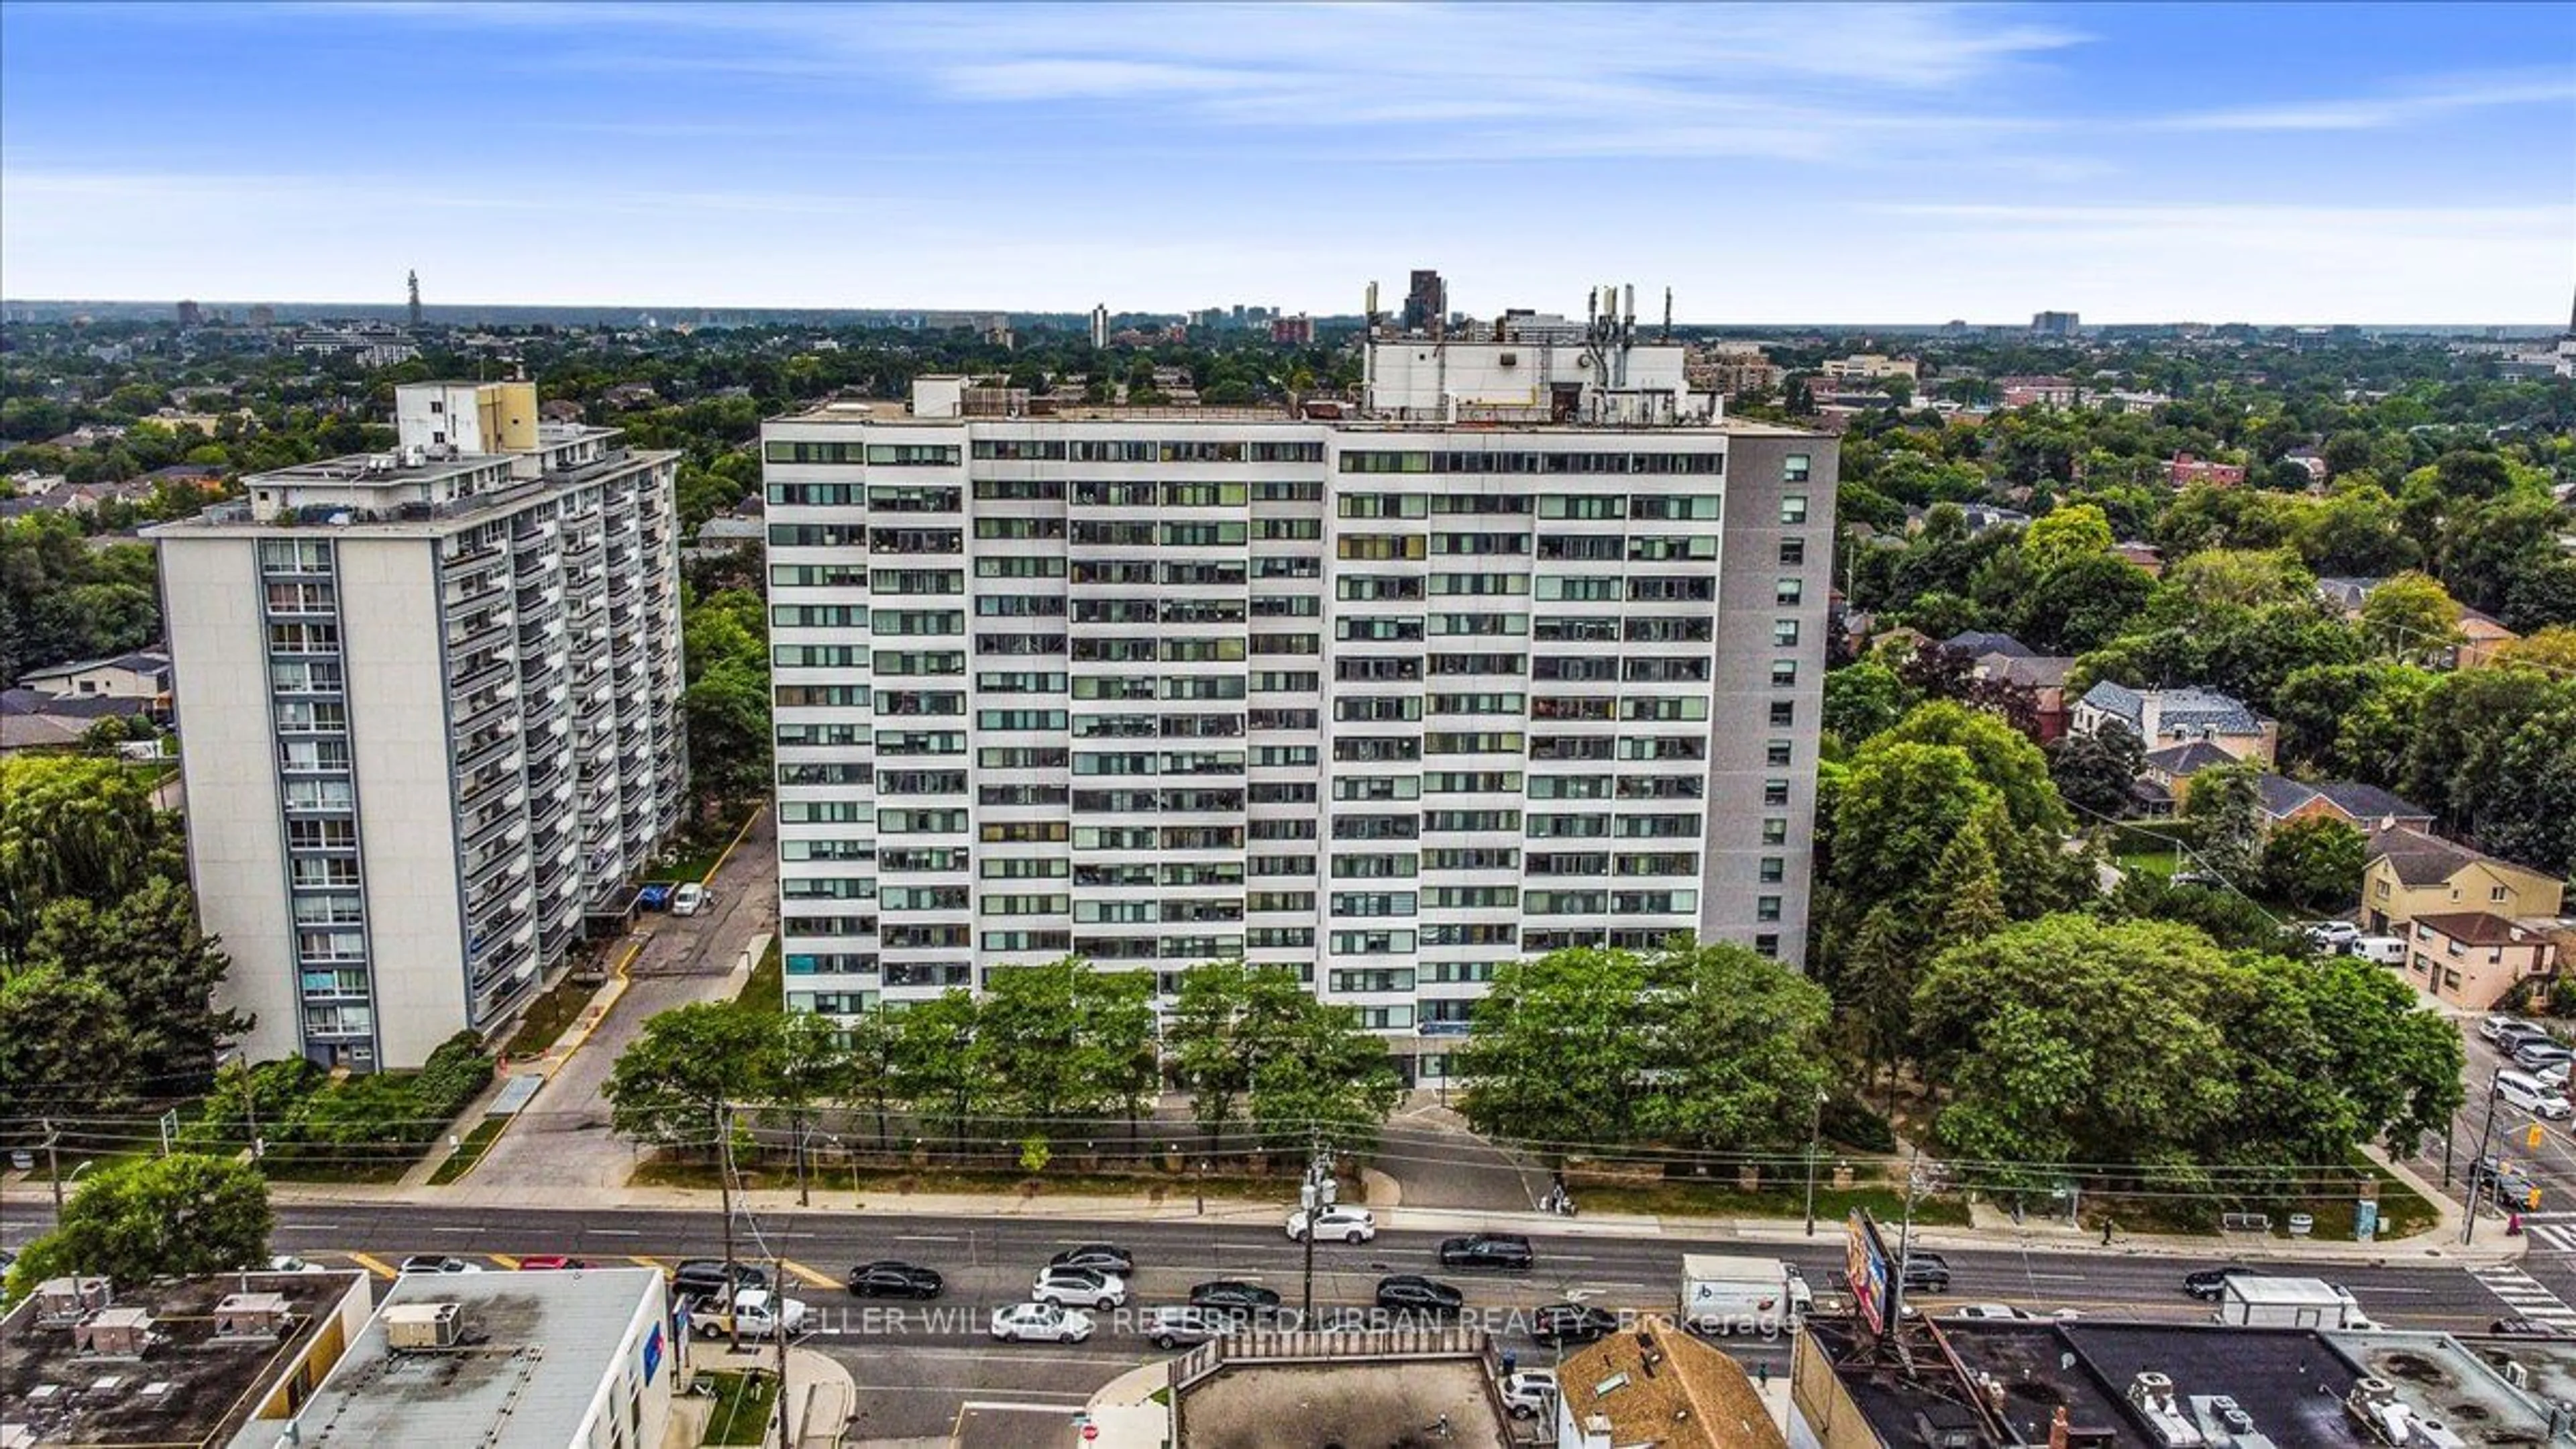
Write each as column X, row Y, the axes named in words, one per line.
column 430, row 700
column 1524, row 653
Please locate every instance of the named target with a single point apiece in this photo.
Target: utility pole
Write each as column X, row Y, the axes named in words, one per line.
column 778, row 1329
column 724, row 1187
column 1815, row 1123
column 54, row 1168
column 1314, row 1195
column 2478, row 1165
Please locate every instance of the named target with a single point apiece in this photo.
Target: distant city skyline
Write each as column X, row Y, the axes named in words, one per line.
column 2384, row 164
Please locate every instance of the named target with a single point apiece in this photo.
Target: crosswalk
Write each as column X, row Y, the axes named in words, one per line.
column 2526, row 1296
column 2551, row 1232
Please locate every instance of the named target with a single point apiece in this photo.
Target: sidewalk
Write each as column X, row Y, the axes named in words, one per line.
column 821, row 1394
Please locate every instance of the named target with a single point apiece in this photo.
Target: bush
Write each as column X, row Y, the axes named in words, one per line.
column 454, row 1075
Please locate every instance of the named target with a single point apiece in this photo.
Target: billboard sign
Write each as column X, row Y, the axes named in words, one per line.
column 1865, row 1270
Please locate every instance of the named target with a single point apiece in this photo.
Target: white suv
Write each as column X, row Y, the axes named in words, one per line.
column 1061, row 1286
column 1530, row 1393
column 1349, row 1224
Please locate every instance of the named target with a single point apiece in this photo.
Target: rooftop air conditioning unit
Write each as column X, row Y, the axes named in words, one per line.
column 422, row 1325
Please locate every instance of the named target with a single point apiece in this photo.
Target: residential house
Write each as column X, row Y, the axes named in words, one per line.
column 2470, row 959
column 2161, row 717
column 1659, row 1386
column 1872, row 366
column 1978, row 643
column 2482, row 638
column 2164, row 779
column 2311, row 460
column 143, row 674
column 2345, row 594
column 2414, row 873
column 2135, row 404
column 33, row 721
column 2183, row 470
column 2144, row 557
column 2364, row 807
column 2042, row 677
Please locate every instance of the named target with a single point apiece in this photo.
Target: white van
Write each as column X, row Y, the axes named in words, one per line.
column 2386, row 950
column 2522, row 1089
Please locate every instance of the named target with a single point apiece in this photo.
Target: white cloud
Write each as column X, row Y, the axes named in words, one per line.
column 2426, row 100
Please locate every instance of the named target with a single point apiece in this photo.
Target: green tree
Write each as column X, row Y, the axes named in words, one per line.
column 937, row 1064
column 2411, row 617
column 801, row 1065
column 2002, row 757
column 176, row 1216
column 1864, row 698
column 70, row 829
column 1966, row 884
column 2315, row 863
column 1327, row 1078
column 1737, row 1043
column 65, row 1046
column 1227, row 1019
column 2354, row 721
column 1556, row 1050
column 2066, row 535
column 2225, row 807
column 669, row 1084
column 2489, row 751
column 2094, row 771
column 2081, row 605
column 147, row 950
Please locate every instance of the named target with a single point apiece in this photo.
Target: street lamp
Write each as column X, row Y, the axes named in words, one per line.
column 1815, row 1131
column 2478, row 1165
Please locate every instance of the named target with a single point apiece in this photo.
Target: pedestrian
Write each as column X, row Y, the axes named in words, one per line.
column 2106, row 1232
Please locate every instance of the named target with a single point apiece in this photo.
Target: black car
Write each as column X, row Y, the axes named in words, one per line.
column 1927, row 1273
column 2522, row 1328
column 1572, row 1323
column 2205, row 1285
column 1413, row 1293
column 1229, row 1296
column 891, row 1279
column 705, row 1278
column 1098, row 1257
column 1486, row 1250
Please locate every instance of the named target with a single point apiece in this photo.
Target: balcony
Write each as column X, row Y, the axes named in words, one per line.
column 488, row 828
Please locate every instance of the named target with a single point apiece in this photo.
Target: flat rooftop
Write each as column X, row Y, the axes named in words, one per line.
column 896, row 412
column 191, row 1386
column 537, row 1347
column 409, row 517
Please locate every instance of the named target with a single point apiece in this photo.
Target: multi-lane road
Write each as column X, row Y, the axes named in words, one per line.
column 916, row 1365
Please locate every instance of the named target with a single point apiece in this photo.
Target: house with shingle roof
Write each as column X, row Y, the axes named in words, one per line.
column 2364, row 807
column 2413, row 873
column 2470, row 959
column 2165, row 717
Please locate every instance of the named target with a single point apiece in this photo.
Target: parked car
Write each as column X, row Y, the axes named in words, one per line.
column 1100, row 1257
column 2499, row 1025
column 1042, row 1321
column 2532, row 1056
column 756, row 1314
column 2532, row 1094
column 706, row 1278
column 2332, row 935
column 1413, row 1293
column 1175, row 1327
column 655, row 896
column 283, row 1263
column 2206, row 1284
column 1560, row 1323
column 438, row 1263
column 1987, row 1311
column 1229, row 1296
column 888, row 1278
column 1508, row 1251
column 1530, row 1393
column 1928, row 1273
column 2204, row 879
column 2522, row 1328
column 689, row 899
column 1103, row 1291
column 550, row 1263
column 1349, row 1224
column 2381, row 950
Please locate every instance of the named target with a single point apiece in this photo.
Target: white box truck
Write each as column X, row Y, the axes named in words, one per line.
column 1722, row 1293
column 2256, row 1301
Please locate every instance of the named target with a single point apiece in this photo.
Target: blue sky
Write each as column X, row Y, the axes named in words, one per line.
column 1912, row 163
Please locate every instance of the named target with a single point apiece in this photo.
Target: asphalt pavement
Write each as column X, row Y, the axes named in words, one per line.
column 916, row 1365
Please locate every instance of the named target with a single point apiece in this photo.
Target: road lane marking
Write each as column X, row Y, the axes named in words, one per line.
column 644, row 1261
column 928, row 1238
column 615, row 1232
column 812, row 1278
column 375, row 1265
column 2060, row 1277
column 2526, row 1295
column 505, row 1260
column 452, row 1228
column 308, row 1227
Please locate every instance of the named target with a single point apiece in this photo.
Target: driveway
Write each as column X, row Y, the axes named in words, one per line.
column 1437, row 1163
column 562, row 1139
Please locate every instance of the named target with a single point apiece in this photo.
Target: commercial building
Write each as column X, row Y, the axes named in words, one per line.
column 1245, row 1390
column 580, row 1359
column 432, row 709
column 213, row 1362
column 1523, row 652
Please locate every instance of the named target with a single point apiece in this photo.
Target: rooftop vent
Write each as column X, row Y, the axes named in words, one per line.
column 422, row 1325
column 115, row 1333
column 62, row 1302
column 2152, row 1395
column 251, row 1316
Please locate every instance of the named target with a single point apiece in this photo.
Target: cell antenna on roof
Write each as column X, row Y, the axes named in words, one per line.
column 1668, row 314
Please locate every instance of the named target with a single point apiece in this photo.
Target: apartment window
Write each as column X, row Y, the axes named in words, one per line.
column 1784, row 673
column 1775, row 792
column 1775, row 869
column 1787, row 592
column 1784, row 713
column 1793, row 468
column 1793, row 506
column 1766, row 908
column 1768, row 943
column 1793, row 552
column 1776, row 753
column 1775, row 830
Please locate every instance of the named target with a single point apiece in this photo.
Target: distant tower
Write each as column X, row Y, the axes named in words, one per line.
column 414, row 282
column 1426, row 303
column 190, row 314
column 1100, row 327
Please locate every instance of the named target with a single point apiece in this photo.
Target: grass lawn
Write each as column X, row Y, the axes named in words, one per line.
column 2157, row 863
column 765, row 989
column 746, row 1407
column 2402, row 1210
column 549, row 1017
column 828, row 1177
column 387, row 1170
column 693, row 854
column 468, row 1152
column 1714, row 1200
